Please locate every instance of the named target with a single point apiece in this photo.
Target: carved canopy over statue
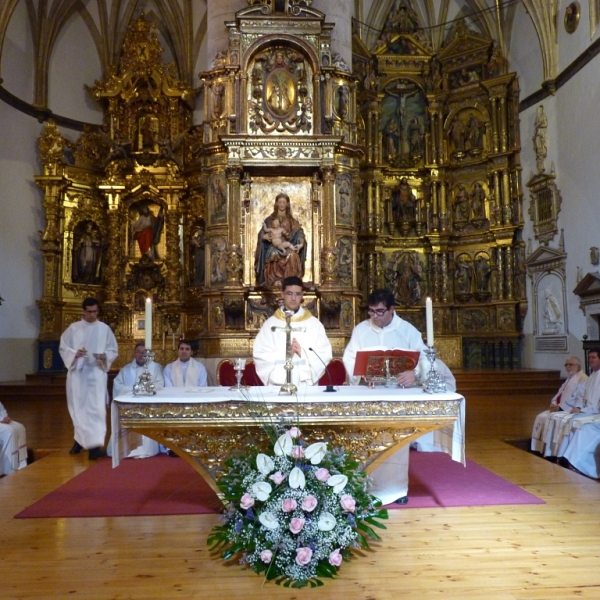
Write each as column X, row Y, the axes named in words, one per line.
column 281, row 247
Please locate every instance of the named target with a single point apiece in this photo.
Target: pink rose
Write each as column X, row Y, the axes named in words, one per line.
column 348, row 503
column 288, row 505
column 277, row 477
column 266, row 556
column 294, row 432
column 322, row 474
column 296, row 525
column 335, row 558
column 309, row 503
column 303, row 556
column 297, row 452
column 246, row 501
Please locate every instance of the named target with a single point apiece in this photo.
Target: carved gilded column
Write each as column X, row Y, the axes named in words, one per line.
column 506, row 210
column 500, row 263
column 445, row 279
column 503, row 125
column 328, row 205
column 494, row 113
column 509, row 273
column 234, row 176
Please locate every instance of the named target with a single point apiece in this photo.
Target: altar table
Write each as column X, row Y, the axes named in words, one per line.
column 204, row 425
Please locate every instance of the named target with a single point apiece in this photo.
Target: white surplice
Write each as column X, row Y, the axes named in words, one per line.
column 269, row 349
column 189, row 374
column 13, row 445
column 546, row 434
column 390, row 479
column 86, row 379
column 583, row 451
column 140, row 446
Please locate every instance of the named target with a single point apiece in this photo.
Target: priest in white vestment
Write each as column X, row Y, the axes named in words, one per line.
column 311, row 349
column 13, row 444
column 386, row 330
column 88, row 348
column 185, row 371
column 545, row 434
column 142, row 446
column 588, row 413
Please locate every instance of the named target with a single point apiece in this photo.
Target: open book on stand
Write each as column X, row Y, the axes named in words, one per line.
column 381, row 361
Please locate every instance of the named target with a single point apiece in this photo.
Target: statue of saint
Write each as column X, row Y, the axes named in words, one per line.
column 281, row 254
column 540, row 138
column 87, row 254
column 462, row 276
column 198, row 244
column 552, row 314
column 404, row 202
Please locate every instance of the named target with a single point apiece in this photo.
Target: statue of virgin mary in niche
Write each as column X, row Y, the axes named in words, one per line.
column 276, row 261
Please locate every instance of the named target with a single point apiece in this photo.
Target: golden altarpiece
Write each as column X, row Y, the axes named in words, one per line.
column 401, row 173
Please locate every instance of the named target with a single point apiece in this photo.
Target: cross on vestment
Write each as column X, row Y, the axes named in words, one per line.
column 288, row 387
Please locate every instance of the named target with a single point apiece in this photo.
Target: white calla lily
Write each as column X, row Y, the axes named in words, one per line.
column 264, row 464
column 337, row 482
column 268, row 520
column 262, row 490
column 326, row 521
column 297, row 479
column 316, row 452
column 284, row 445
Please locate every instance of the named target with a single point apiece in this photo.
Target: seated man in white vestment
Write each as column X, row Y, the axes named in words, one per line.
column 123, row 384
column 311, row 349
column 13, row 444
column 88, row 348
column 581, row 445
column 185, row 371
column 386, row 330
column 547, row 425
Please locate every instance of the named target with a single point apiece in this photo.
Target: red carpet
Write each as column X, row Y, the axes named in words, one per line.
column 169, row 486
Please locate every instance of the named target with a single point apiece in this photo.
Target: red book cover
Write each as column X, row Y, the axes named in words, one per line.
column 362, row 358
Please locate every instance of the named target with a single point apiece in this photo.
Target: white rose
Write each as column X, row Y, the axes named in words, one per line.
column 297, row 479
column 264, row 464
column 337, row 482
column 261, row 490
column 268, row 520
column 326, row 521
column 316, row 452
column 284, row 445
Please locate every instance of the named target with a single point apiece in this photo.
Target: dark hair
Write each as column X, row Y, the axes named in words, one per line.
column 186, row 342
column 596, row 350
column 138, row 345
column 381, row 295
column 89, row 302
column 289, row 281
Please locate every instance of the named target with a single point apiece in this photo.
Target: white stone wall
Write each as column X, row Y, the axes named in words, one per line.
column 573, row 133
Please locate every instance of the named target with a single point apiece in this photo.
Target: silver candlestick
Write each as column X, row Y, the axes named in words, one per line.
column 145, row 386
column 434, row 384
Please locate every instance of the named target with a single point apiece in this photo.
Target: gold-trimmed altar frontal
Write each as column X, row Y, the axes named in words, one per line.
column 206, row 428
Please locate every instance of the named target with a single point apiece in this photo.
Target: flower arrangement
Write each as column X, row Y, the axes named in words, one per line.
column 295, row 516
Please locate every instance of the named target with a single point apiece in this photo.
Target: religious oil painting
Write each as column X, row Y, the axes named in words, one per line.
column 147, row 221
column 217, row 199
column 403, row 123
column 280, row 232
column 572, row 15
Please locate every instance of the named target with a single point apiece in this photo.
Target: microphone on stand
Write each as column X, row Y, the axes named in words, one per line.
column 328, row 388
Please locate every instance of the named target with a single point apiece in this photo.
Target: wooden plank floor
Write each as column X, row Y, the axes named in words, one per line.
column 542, row 552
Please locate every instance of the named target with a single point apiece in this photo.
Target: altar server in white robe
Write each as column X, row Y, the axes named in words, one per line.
column 13, row 444
column 88, row 348
column 185, row 371
column 311, row 349
column 386, row 330
column 143, row 447
column 569, row 395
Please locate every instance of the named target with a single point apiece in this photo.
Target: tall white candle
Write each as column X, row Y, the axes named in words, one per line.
column 429, row 321
column 148, row 324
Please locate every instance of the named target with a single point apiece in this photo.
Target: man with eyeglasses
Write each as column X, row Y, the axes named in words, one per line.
column 547, row 425
column 386, row 330
column 88, row 348
column 270, row 346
